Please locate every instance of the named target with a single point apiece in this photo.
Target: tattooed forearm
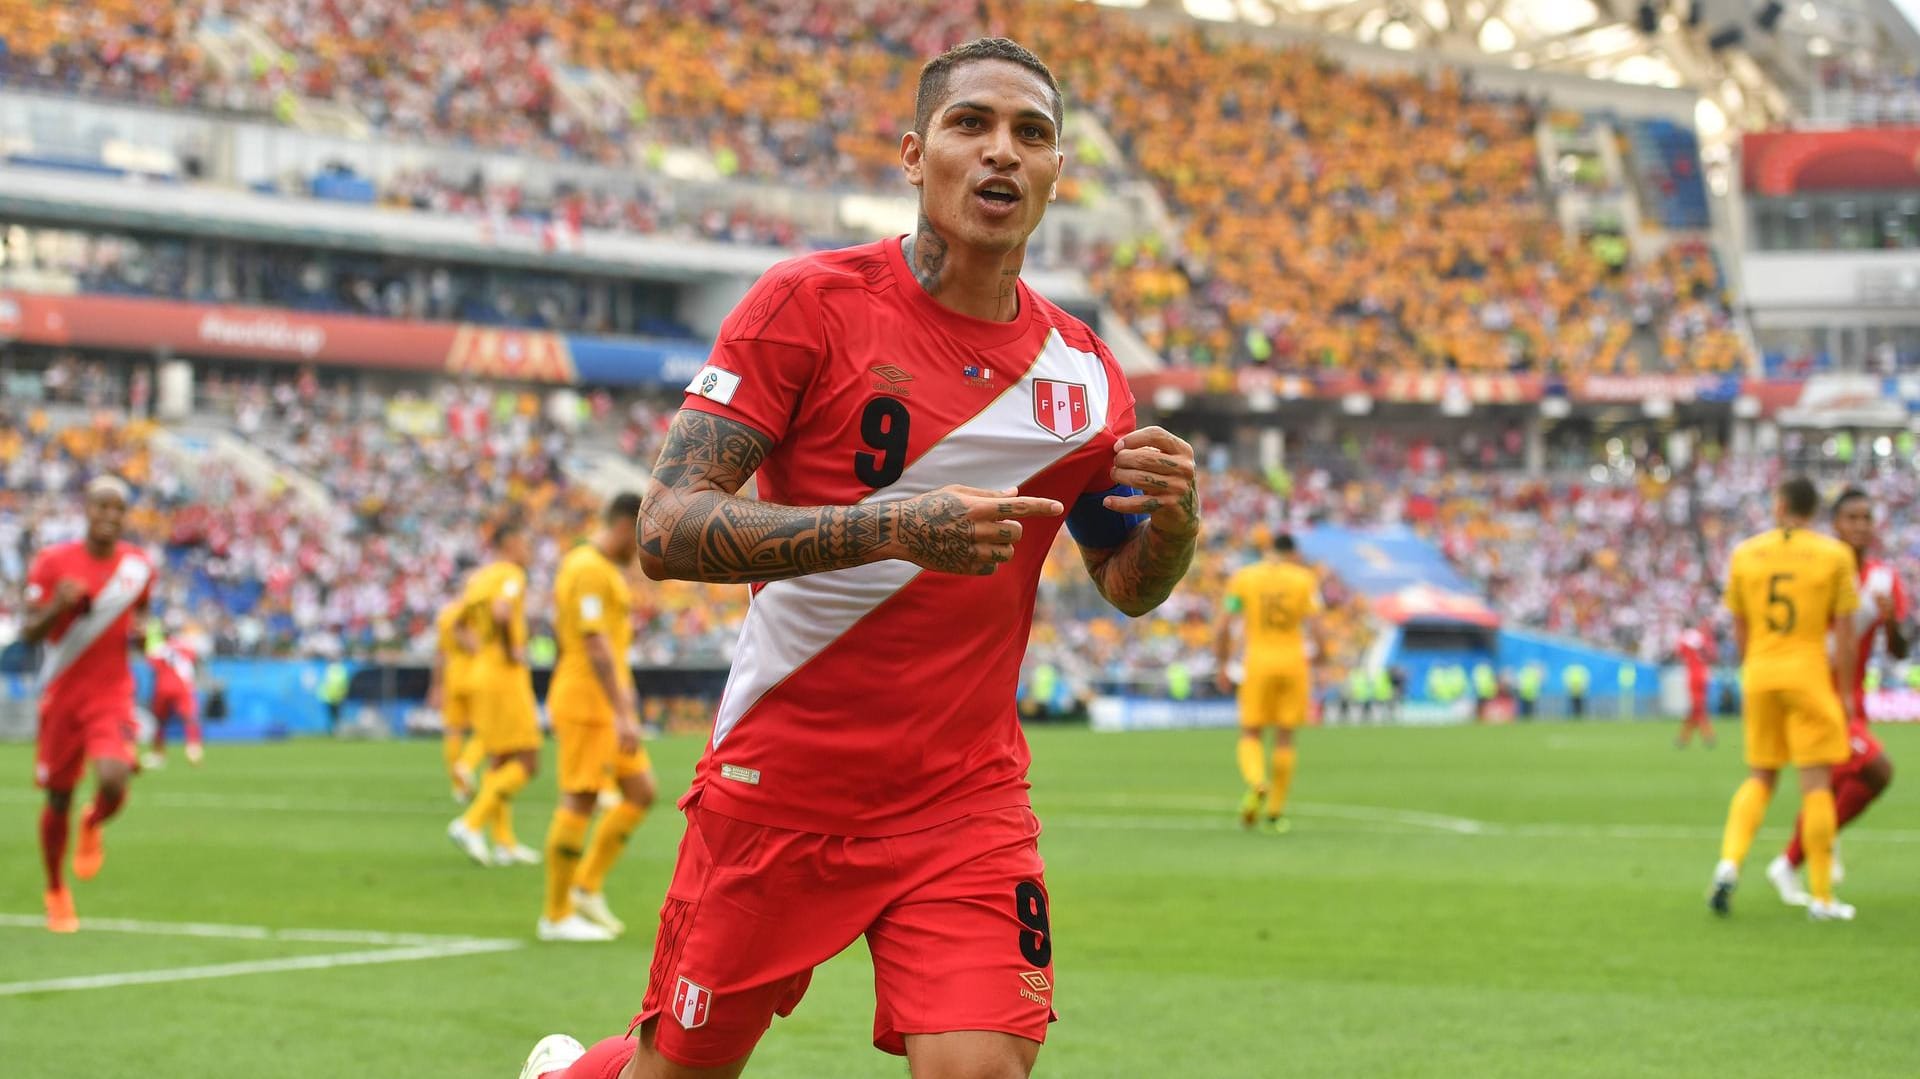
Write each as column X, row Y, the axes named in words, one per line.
column 694, row 527
column 1140, row 574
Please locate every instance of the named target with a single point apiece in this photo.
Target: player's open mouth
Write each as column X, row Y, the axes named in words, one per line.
column 997, row 197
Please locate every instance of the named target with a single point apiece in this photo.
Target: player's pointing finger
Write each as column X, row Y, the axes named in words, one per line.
column 1011, row 508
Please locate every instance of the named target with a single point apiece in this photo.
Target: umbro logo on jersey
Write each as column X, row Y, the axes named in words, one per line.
column 1036, row 984
column 1060, row 408
column 891, row 378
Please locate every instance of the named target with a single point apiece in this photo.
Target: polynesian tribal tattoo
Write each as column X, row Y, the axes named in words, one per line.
column 700, row 530
column 1141, row 573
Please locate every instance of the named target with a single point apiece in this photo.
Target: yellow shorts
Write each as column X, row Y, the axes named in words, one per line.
column 456, row 711
column 1802, row 725
column 505, row 717
column 590, row 755
column 1275, row 696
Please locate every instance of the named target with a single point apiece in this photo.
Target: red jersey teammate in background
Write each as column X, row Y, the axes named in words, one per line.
column 1696, row 651
column 176, row 663
column 919, row 421
column 1884, row 608
column 81, row 600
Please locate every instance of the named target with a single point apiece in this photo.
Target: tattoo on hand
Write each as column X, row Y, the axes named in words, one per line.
column 936, row 531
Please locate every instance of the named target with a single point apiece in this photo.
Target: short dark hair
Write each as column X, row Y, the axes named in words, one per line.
column 505, row 530
column 934, row 76
column 1801, row 498
column 1284, row 543
column 1847, row 496
column 623, row 507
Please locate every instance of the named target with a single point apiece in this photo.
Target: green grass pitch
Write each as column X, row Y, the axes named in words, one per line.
column 1518, row 901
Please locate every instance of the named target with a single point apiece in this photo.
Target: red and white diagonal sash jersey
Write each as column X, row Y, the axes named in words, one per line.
column 1883, row 602
column 175, row 662
column 879, row 700
column 86, row 659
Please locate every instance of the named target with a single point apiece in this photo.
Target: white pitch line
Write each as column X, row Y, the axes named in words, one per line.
column 1416, row 826
column 259, row 966
column 262, row 803
column 1212, row 806
column 238, row 932
column 1185, row 815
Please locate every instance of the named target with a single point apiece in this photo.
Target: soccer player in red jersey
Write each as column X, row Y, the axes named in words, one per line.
column 1696, row 651
column 1884, row 609
column 82, row 598
column 175, row 662
column 919, row 422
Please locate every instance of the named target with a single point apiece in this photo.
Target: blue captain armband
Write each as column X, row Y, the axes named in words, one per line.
column 1094, row 525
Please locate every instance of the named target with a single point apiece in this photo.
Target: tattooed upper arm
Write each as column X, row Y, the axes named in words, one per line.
column 708, row 451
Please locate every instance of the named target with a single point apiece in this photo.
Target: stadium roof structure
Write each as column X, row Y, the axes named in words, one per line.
column 1753, row 62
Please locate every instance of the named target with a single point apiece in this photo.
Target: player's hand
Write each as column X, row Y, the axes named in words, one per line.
column 69, row 594
column 965, row 529
column 1160, row 466
column 434, row 699
column 1222, row 681
column 627, row 731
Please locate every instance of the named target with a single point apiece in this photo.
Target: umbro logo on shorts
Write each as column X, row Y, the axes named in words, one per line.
column 739, row 774
column 1036, row 984
column 691, row 1004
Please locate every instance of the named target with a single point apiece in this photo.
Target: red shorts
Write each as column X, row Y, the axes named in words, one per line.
column 174, row 702
column 71, row 737
column 955, row 916
column 1862, row 749
column 1697, row 700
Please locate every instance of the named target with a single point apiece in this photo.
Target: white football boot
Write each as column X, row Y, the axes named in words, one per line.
column 1830, row 910
column 593, row 907
column 1786, row 880
column 553, row 1053
column 472, row 843
column 572, row 929
column 515, row 854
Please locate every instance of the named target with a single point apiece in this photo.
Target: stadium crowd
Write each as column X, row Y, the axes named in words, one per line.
column 412, row 481
column 1375, row 223
column 264, row 571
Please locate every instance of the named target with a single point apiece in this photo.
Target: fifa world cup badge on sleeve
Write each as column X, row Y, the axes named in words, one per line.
column 714, row 384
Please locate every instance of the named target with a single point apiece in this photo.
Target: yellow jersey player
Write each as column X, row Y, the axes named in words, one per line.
column 595, row 720
column 506, row 717
column 449, row 694
column 1785, row 588
column 1276, row 598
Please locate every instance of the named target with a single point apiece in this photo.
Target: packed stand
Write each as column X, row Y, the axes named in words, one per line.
column 642, row 210
column 139, row 49
column 1332, row 221
column 266, row 573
